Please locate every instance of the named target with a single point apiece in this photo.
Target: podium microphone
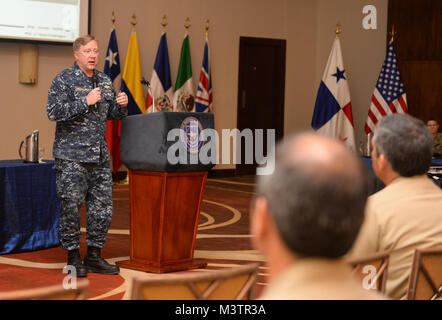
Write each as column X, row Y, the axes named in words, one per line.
column 146, row 83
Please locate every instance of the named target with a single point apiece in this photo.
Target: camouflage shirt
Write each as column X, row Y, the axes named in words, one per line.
column 80, row 133
column 437, row 144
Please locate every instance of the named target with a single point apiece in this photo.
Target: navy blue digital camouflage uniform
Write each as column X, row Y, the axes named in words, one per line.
column 82, row 161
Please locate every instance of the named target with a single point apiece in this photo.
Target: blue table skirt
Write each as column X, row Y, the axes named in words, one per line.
column 29, row 207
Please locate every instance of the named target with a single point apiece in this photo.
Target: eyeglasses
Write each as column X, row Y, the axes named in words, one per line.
column 88, row 52
column 432, row 125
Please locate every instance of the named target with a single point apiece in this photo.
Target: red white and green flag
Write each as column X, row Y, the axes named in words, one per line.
column 184, row 97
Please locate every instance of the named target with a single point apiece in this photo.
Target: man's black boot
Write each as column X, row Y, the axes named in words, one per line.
column 74, row 260
column 96, row 264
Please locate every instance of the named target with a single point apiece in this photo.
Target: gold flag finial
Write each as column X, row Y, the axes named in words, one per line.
column 113, row 19
column 392, row 33
column 338, row 29
column 134, row 21
column 207, row 26
column 164, row 21
column 187, row 24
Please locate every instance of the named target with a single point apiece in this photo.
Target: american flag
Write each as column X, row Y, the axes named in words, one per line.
column 389, row 95
column 204, row 98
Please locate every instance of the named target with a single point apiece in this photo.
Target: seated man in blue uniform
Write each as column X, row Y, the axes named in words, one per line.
column 80, row 100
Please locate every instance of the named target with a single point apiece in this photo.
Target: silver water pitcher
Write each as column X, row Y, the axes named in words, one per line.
column 31, row 147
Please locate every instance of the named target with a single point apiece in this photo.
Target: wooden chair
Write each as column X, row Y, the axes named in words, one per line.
column 362, row 267
column 54, row 292
column 426, row 275
column 233, row 284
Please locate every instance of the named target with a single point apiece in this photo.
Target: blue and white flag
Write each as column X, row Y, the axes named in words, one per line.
column 160, row 82
column 204, row 99
column 112, row 63
column 333, row 113
column 113, row 127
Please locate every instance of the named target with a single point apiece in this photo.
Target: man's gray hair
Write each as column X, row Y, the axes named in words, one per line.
column 81, row 41
column 406, row 143
column 317, row 206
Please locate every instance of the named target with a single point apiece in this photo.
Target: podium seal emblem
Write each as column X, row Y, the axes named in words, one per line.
column 191, row 134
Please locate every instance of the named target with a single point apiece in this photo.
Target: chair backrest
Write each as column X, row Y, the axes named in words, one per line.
column 54, row 292
column 371, row 269
column 426, row 275
column 232, row 284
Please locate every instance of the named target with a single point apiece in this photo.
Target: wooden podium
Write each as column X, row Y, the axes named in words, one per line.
column 164, row 212
column 165, row 196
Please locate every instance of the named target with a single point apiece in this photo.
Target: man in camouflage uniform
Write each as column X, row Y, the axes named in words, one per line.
column 433, row 126
column 80, row 100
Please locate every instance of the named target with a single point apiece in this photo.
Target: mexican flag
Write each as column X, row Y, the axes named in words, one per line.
column 184, row 97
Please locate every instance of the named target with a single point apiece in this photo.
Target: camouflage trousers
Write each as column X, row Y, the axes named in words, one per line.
column 90, row 182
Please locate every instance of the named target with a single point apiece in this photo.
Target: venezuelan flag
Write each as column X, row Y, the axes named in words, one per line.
column 130, row 82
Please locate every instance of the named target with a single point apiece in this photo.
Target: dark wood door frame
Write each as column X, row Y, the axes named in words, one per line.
column 276, row 62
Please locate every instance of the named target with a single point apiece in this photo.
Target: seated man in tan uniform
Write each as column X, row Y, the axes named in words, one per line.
column 407, row 213
column 306, row 216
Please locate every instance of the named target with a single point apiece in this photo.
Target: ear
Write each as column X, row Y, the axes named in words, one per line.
column 383, row 163
column 259, row 223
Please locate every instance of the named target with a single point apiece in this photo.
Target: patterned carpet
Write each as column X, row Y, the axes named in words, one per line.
column 223, row 240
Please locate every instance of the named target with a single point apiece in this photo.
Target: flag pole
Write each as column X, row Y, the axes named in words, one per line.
column 337, row 30
column 113, row 19
column 133, row 22
column 164, row 22
column 187, row 24
column 207, row 27
column 392, row 33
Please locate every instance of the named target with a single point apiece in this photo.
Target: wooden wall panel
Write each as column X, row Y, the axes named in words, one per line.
column 418, row 46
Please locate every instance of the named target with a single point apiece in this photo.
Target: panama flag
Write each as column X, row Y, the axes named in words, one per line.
column 131, row 78
column 184, row 98
column 160, row 82
column 333, row 115
column 203, row 101
column 113, row 127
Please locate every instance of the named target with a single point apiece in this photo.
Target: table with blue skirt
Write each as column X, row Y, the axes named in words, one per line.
column 29, row 207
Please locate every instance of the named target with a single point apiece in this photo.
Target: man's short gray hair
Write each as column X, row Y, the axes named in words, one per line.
column 81, row 41
column 406, row 143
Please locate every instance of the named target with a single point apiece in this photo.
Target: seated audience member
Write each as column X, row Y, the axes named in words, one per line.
column 407, row 213
column 433, row 126
column 305, row 218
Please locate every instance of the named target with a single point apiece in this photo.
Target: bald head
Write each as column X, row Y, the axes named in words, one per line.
column 319, row 154
column 316, row 195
